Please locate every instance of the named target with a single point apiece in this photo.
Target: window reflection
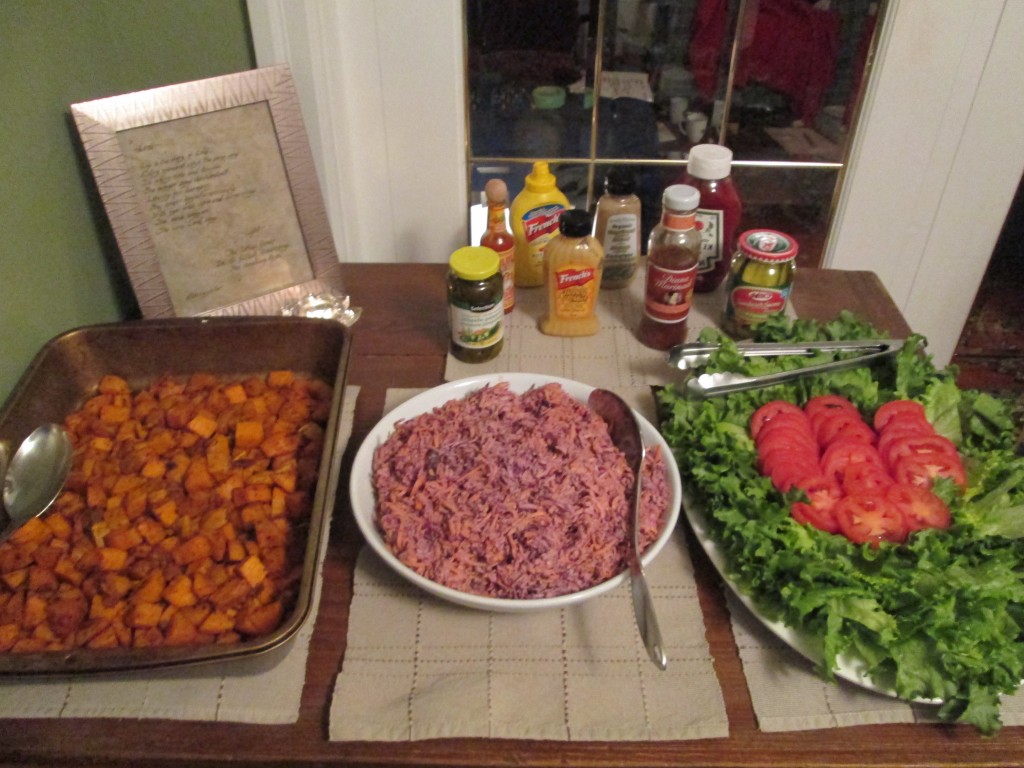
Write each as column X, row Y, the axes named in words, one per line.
column 777, row 81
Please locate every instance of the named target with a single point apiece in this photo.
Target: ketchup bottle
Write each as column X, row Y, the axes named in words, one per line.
column 672, row 254
column 709, row 171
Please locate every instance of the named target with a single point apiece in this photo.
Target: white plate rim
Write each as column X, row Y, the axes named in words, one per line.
column 363, row 503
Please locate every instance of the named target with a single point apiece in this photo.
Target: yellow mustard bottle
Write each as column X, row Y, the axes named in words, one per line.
column 573, row 262
column 534, row 215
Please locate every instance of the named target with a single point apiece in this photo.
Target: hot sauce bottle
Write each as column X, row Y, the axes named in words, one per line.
column 499, row 239
column 573, row 263
column 673, row 251
column 709, row 170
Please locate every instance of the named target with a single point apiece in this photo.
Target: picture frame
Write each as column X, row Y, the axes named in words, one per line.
column 212, row 194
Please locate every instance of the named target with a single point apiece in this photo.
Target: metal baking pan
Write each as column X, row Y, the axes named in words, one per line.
column 67, row 370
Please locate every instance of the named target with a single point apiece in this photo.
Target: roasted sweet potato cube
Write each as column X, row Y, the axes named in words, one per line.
column 166, row 512
column 198, row 477
column 278, row 502
column 110, row 384
column 105, row 608
column 179, row 415
column 58, row 524
column 196, row 614
column 179, row 592
column 252, row 570
column 34, row 612
column 235, row 393
column 154, row 469
column 147, row 637
column 279, row 379
column 248, row 434
column 181, row 631
column 236, row 550
column 115, row 414
column 41, row 579
column 9, row 634
column 112, row 559
column 105, row 638
column 14, row 579
column 46, row 556
column 115, row 585
column 125, row 538
column 101, row 444
column 32, row 531
column 218, row 455
column 279, row 444
column 260, row 619
column 143, row 615
column 151, row 589
column 195, row 548
column 150, row 530
column 217, row 622
column 66, row 571
column 230, row 593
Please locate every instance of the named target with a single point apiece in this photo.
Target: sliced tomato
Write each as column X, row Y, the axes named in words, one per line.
column 922, row 469
column 830, row 403
column 865, row 477
column 916, row 445
column 808, row 514
column 769, row 410
column 844, row 427
column 841, row 454
column 893, row 408
column 870, row 518
column 827, row 427
column 821, row 490
column 920, row 507
column 787, row 472
column 785, row 437
column 821, row 406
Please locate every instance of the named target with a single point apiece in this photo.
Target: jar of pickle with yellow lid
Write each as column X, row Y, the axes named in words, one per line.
column 760, row 280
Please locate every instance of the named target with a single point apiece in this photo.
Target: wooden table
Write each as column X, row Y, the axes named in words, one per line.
column 401, row 341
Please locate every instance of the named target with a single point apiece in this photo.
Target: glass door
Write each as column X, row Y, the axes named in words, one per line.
column 588, row 85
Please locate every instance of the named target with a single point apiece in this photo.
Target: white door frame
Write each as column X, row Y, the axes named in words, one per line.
column 936, row 158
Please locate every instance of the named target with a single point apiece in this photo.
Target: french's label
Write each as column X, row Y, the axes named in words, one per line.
column 575, row 292
column 542, row 223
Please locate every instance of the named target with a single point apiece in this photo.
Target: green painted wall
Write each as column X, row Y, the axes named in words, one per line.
column 59, row 263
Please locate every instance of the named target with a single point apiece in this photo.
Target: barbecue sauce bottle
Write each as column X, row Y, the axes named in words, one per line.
column 673, row 251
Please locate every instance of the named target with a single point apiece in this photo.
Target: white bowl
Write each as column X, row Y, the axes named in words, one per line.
column 363, row 497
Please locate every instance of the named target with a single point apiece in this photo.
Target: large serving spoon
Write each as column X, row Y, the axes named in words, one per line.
column 625, row 434
column 34, row 475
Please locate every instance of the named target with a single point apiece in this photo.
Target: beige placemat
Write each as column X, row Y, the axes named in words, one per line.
column 265, row 689
column 416, row 667
column 613, row 358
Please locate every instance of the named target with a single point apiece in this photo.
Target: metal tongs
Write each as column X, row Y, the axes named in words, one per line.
column 686, row 357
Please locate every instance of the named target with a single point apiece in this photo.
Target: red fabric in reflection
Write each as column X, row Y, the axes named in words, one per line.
column 793, row 51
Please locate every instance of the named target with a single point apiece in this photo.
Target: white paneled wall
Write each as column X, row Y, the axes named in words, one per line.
column 935, row 162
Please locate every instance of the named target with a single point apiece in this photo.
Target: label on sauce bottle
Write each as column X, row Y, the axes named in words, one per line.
column 710, row 224
column 668, row 293
column 575, row 291
column 621, row 239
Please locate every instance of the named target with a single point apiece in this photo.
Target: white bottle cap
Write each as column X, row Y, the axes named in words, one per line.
column 681, row 197
column 710, row 161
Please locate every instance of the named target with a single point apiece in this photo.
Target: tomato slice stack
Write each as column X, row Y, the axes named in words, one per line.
column 871, row 483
